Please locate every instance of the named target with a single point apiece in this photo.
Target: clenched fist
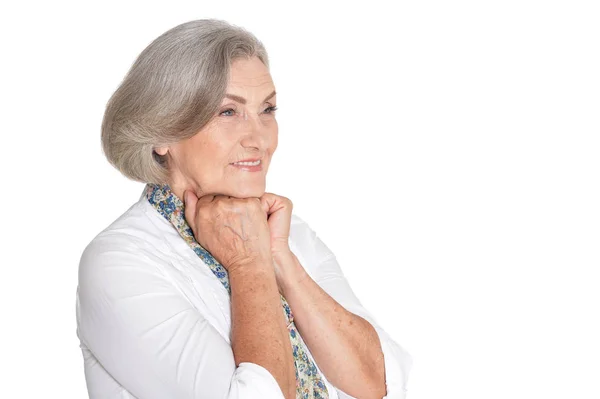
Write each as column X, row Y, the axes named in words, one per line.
column 234, row 230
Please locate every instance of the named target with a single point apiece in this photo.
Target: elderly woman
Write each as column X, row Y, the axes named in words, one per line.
column 207, row 286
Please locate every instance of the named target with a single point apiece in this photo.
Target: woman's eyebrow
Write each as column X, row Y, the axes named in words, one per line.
column 242, row 100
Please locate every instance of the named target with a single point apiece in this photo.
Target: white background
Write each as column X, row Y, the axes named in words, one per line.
column 447, row 152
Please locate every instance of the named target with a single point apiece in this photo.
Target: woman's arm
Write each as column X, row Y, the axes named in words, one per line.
column 259, row 328
column 324, row 271
column 345, row 346
column 151, row 340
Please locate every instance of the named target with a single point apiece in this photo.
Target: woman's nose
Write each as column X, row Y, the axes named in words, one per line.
column 255, row 133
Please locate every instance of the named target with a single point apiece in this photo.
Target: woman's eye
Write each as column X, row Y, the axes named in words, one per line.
column 271, row 110
column 231, row 111
column 227, row 110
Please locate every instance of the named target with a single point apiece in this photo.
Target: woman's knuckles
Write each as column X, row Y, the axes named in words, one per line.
column 233, row 230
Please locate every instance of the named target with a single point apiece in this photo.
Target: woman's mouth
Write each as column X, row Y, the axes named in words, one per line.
column 254, row 166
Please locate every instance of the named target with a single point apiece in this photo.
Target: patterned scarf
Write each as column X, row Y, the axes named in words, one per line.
column 309, row 384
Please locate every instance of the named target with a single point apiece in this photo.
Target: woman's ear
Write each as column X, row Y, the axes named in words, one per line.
column 161, row 150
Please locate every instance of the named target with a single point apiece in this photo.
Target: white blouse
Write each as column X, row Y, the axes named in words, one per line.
column 154, row 321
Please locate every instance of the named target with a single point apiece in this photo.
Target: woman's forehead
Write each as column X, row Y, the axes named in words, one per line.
column 249, row 73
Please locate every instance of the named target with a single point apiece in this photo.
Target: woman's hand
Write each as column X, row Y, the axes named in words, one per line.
column 234, row 230
column 279, row 214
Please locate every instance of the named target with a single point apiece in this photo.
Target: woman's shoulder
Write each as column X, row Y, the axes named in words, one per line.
column 135, row 233
column 302, row 233
column 306, row 243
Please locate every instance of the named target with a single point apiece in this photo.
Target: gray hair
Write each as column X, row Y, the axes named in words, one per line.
column 172, row 90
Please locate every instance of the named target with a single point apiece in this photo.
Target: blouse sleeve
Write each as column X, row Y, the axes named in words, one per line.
column 149, row 338
column 329, row 276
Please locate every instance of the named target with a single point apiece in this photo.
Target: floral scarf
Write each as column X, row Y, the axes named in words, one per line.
column 309, row 384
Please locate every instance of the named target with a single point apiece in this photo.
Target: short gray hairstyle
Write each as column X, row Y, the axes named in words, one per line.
column 172, row 90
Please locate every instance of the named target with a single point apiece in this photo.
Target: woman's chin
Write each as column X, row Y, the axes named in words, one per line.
column 248, row 192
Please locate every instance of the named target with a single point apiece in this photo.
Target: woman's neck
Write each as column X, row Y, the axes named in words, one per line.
column 179, row 185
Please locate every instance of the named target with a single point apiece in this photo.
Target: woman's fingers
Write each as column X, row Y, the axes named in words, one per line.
column 273, row 202
column 265, row 204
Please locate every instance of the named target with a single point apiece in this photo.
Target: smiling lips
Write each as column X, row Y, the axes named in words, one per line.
column 248, row 162
column 250, row 166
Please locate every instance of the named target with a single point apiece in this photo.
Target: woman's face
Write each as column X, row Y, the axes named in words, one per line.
column 244, row 128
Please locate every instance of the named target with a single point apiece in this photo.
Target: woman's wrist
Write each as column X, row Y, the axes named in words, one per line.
column 288, row 270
